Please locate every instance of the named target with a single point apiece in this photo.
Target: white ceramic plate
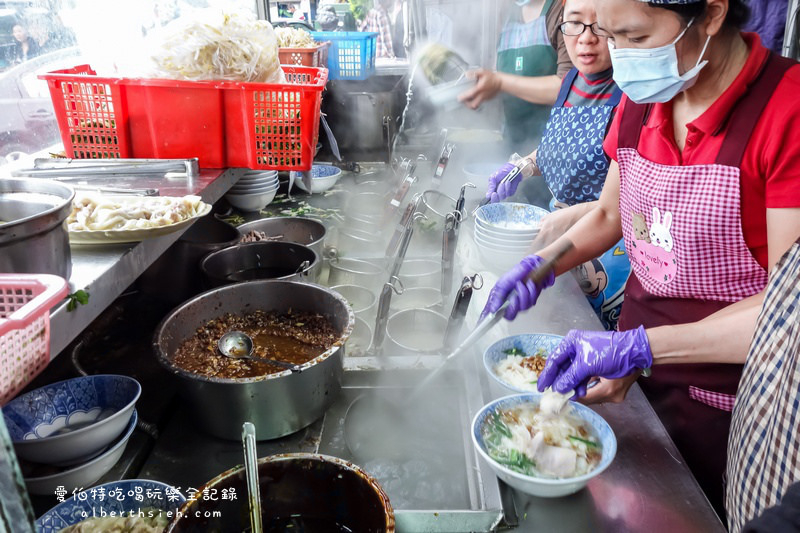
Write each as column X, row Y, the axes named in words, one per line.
column 132, row 235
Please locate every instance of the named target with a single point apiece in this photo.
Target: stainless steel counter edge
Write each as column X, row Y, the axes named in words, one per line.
column 106, row 271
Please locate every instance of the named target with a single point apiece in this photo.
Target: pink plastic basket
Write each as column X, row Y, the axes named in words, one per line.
column 25, row 302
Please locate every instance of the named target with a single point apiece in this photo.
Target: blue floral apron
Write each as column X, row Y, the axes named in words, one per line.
column 574, row 165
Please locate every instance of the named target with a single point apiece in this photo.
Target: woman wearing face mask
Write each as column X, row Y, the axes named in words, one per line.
column 704, row 187
column 577, row 127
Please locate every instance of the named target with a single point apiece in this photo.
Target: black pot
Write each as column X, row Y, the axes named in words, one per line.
column 260, row 260
column 175, row 276
column 319, row 492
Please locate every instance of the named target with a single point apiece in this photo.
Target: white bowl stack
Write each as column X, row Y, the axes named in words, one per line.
column 504, row 233
column 254, row 191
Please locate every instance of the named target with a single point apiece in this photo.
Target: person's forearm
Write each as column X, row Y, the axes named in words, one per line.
column 723, row 337
column 535, row 89
column 593, row 234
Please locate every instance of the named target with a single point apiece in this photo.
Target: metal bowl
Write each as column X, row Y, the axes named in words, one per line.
column 305, row 491
column 260, row 260
column 33, row 229
column 278, row 404
column 305, row 231
column 421, row 273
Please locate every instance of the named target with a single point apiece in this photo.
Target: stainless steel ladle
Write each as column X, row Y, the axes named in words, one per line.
column 239, row 345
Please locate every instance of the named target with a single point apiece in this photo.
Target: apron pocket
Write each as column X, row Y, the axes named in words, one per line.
column 717, row 400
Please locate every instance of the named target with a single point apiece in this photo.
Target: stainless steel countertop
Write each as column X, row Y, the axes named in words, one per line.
column 106, row 271
column 647, row 488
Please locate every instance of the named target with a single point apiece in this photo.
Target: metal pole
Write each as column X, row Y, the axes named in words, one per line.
column 791, row 36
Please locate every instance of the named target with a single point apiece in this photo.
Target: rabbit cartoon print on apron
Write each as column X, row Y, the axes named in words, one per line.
column 652, row 247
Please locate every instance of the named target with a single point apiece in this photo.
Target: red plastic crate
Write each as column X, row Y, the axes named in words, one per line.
column 224, row 124
column 25, row 302
column 307, row 57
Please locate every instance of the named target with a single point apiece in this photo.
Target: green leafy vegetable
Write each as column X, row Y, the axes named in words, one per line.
column 515, row 351
column 234, row 220
column 585, row 441
column 77, row 298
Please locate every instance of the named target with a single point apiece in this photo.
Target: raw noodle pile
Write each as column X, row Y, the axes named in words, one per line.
column 294, row 38
column 214, row 45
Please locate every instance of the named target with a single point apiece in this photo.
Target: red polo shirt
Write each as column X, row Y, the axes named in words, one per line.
column 770, row 171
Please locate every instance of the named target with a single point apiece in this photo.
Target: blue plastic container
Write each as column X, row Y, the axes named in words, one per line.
column 351, row 55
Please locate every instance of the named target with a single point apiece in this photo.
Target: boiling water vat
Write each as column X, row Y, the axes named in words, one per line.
column 418, row 457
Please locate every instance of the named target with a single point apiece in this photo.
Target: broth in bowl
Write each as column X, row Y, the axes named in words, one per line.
column 532, row 443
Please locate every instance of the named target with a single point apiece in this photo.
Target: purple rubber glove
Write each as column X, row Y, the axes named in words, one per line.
column 500, row 191
column 585, row 354
column 526, row 292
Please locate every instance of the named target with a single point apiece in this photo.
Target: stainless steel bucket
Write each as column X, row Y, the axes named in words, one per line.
column 260, row 260
column 33, row 229
column 278, row 404
column 305, row 231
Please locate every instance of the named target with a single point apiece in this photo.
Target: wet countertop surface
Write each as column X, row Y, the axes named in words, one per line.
column 647, row 487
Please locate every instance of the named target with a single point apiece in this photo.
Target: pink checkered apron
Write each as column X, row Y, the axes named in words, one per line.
column 682, row 229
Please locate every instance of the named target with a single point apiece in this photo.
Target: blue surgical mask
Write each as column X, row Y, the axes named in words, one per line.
column 649, row 75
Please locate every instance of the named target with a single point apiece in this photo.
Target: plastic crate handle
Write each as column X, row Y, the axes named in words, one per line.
column 55, row 289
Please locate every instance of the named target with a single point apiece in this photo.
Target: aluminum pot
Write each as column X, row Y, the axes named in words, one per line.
column 299, row 492
column 305, row 231
column 33, row 228
column 260, row 260
column 277, row 404
column 415, row 332
column 175, row 276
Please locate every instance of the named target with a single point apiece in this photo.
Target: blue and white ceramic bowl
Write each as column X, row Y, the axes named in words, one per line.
column 71, row 421
column 510, row 217
column 323, row 177
column 131, row 495
column 529, row 343
column 44, row 480
column 545, row 487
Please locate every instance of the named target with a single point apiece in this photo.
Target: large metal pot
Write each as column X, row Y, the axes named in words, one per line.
column 299, row 492
column 260, row 260
column 305, row 231
column 33, row 229
column 277, row 404
column 175, row 276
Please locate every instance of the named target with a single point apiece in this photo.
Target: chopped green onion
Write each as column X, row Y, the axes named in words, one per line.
column 586, row 442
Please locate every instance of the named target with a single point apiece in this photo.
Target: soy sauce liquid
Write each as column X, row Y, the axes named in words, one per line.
column 301, row 524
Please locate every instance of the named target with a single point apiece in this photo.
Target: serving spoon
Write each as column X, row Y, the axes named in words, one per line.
column 239, row 345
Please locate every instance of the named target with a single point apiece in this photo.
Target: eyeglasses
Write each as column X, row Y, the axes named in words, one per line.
column 574, row 28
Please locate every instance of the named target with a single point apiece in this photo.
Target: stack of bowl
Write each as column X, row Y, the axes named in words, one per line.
column 254, row 191
column 504, row 232
column 72, row 432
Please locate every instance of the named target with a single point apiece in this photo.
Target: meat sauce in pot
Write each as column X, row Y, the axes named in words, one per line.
column 293, row 337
